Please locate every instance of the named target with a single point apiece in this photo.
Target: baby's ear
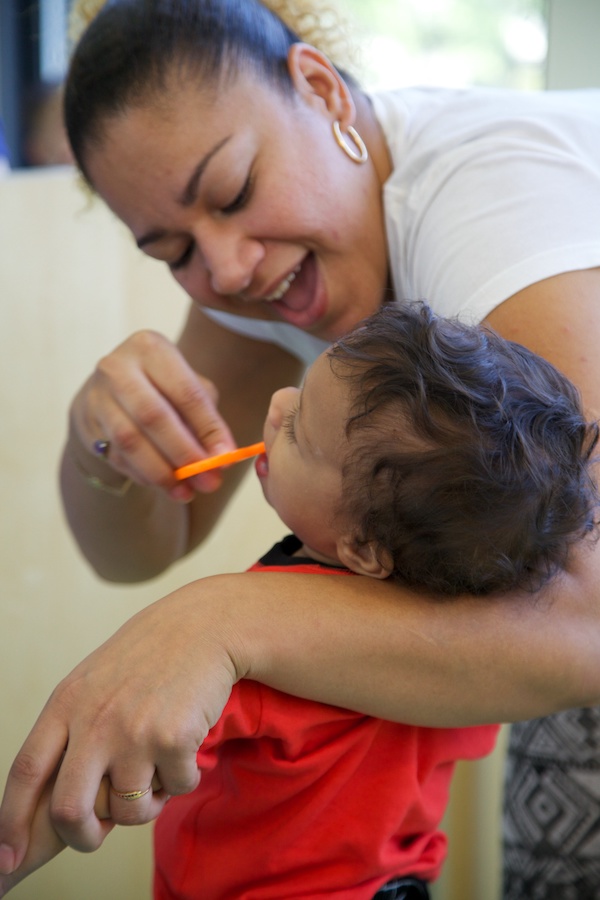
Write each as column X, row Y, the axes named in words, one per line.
column 364, row 559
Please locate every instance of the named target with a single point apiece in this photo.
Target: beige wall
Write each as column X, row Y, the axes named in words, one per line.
column 71, row 287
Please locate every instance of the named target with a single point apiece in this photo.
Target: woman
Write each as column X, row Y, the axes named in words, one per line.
column 289, row 205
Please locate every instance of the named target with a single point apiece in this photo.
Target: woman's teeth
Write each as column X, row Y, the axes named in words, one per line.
column 284, row 287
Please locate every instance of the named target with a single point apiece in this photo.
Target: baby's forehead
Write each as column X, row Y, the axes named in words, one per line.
column 329, row 378
column 324, row 401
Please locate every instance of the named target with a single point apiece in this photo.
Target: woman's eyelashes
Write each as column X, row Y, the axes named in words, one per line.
column 240, row 201
column 183, row 259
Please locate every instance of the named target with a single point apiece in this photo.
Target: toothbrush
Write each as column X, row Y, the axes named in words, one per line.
column 222, row 459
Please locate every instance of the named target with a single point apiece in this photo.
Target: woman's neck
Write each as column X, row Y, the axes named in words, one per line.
column 372, row 134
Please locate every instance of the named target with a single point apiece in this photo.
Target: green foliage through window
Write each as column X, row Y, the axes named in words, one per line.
column 452, row 43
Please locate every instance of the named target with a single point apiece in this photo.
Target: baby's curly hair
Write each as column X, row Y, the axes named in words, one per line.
column 470, row 457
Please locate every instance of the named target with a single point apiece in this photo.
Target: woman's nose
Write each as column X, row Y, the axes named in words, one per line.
column 231, row 261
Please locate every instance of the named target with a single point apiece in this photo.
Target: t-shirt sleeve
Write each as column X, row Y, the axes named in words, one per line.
column 533, row 219
column 491, row 192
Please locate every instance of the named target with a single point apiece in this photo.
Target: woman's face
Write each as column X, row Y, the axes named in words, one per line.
column 247, row 197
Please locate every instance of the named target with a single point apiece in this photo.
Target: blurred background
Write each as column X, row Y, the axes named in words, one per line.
column 526, row 44
column 454, row 43
column 72, row 286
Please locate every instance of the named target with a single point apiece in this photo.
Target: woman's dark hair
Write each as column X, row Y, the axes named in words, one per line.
column 132, row 47
column 470, row 457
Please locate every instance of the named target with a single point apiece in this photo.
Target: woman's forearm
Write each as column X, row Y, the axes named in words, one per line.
column 373, row 647
column 126, row 537
column 136, row 534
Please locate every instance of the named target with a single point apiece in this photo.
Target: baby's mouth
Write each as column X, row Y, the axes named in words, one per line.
column 261, row 465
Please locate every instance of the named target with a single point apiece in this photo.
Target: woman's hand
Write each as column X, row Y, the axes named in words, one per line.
column 148, row 401
column 119, row 715
column 155, row 411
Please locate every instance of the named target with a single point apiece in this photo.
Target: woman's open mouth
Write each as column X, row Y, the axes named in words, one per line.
column 301, row 299
column 284, row 287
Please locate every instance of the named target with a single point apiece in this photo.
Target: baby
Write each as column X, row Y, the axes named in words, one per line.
column 417, row 449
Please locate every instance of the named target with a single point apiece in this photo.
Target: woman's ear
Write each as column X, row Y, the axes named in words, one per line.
column 364, row 559
column 317, row 81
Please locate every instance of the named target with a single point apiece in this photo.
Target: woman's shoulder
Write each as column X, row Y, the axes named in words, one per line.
column 436, row 118
column 472, row 216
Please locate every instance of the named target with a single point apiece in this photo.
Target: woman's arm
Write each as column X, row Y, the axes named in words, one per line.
column 361, row 643
column 147, row 398
column 559, row 319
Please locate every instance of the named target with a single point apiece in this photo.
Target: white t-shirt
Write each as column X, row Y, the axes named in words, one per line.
column 491, row 191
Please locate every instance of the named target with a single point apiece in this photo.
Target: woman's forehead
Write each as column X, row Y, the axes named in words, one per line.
column 191, row 103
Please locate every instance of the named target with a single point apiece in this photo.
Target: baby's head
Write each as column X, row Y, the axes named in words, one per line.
column 436, row 453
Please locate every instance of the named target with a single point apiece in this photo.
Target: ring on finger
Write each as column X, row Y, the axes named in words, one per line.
column 101, row 447
column 130, row 795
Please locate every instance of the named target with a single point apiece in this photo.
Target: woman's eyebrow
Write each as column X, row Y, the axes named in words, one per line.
column 190, row 191
column 188, row 195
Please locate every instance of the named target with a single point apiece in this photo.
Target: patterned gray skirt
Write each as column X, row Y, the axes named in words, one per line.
column 551, row 827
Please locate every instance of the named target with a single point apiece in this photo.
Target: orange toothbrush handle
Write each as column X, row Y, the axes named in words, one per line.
column 222, row 459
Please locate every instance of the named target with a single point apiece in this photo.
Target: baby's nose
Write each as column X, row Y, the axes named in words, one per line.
column 281, row 402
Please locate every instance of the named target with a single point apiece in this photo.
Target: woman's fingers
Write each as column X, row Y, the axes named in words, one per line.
column 156, row 412
column 84, row 811
column 109, row 798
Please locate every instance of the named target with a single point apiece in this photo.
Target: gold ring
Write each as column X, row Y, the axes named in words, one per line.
column 130, row 795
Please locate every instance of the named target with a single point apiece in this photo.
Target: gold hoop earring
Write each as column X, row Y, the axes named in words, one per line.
column 362, row 155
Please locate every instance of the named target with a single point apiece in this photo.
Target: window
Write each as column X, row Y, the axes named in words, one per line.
column 33, row 57
column 452, row 43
